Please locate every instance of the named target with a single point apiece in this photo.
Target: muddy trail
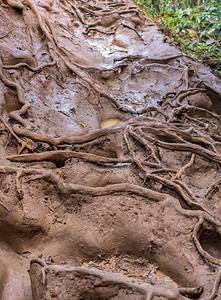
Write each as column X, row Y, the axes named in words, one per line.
column 110, row 157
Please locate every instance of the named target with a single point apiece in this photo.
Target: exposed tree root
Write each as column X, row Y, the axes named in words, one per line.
column 25, row 65
column 63, row 139
column 191, row 148
column 136, row 161
column 153, row 294
column 216, row 286
column 99, row 30
column 69, row 188
column 16, row 115
column 180, row 144
column 78, row 14
column 172, row 185
column 191, row 292
column 20, row 141
column 204, row 254
column 213, row 187
column 188, row 109
column 19, row 173
column 59, row 157
column 184, row 168
column 180, row 189
column 15, row 4
column 146, row 145
column 42, row 263
column 148, row 59
column 129, row 27
column 148, row 136
column 184, row 93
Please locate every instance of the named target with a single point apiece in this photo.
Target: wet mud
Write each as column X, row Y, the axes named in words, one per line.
column 110, row 157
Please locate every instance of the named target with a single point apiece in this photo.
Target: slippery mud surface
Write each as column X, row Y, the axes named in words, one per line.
column 110, row 156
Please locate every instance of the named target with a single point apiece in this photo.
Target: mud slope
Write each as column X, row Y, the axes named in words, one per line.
column 110, row 157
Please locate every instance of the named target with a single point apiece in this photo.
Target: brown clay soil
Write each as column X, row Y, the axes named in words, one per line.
column 110, row 157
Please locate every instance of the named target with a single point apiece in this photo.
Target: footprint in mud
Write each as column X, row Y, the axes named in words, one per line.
column 211, row 242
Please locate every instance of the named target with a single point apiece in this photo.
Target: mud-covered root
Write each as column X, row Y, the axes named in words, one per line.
column 193, row 110
column 46, row 278
column 20, row 193
column 17, row 4
column 169, row 296
column 69, row 188
column 215, row 186
column 216, row 286
column 24, row 144
column 191, row 292
column 58, row 157
column 25, row 65
column 201, row 251
column 16, row 115
column 184, row 168
column 43, row 264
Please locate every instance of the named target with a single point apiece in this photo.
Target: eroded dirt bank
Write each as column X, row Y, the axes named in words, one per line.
column 110, row 157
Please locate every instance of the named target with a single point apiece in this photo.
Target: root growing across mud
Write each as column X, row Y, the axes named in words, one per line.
column 137, row 198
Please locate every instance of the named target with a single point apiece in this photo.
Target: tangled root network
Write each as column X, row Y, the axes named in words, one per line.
column 110, row 141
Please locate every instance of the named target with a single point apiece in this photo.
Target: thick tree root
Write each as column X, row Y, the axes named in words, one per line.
column 59, row 157
column 69, row 188
column 194, row 292
column 63, row 139
column 191, row 292
column 15, row 4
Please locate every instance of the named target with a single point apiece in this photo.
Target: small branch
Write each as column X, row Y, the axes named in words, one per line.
column 131, row 28
column 7, row 33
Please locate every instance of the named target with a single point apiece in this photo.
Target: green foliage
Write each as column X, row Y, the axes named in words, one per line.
column 196, row 29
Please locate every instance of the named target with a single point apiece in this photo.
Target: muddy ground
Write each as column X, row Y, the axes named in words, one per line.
column 110, row 157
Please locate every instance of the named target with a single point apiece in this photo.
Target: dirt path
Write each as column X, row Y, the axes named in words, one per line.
column 110, row 157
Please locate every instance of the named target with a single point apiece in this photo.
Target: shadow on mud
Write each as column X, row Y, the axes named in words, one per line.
column 210, row 241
